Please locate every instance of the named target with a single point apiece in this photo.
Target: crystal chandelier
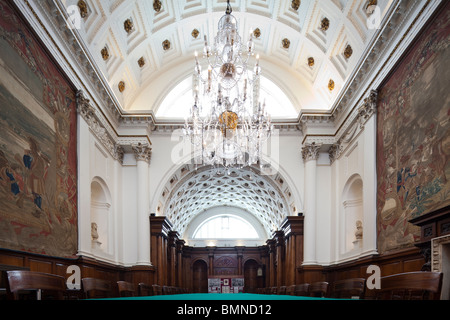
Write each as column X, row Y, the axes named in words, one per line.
column 228, row 125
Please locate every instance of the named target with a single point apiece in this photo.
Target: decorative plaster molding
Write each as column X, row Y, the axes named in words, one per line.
column 368, row 109
column 311, row 151
column 88, row 113
column 142, row 152
column 335, row 152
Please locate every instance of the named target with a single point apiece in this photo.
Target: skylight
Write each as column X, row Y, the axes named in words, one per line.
column 225, row 227
column 178, row 102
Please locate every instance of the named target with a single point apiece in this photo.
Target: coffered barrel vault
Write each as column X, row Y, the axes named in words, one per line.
column 191, row 192
column 146, row 47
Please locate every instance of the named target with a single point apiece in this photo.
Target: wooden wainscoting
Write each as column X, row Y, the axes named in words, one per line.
column 90, row 268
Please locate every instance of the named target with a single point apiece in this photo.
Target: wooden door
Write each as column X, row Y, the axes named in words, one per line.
column 251, row 282
column 200, row 277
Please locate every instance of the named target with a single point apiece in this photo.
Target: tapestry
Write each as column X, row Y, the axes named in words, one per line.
column 413, row 137
column 38, row 160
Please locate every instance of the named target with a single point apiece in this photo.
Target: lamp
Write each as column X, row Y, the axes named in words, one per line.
column 227, row 125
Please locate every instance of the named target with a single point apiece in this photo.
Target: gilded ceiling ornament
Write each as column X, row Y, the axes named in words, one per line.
column 311, row 62
column 257, row 33
column 195, row 33
column 83, row 8
column 295, row 4
column 128, row 26
column 166, row 45
column 121, row 86
column 370, row 7
column 157, row 5
column 105, row 53
column 286, row 43
column 331, row 85
column 325, row 24
column 348, row 52
column 141, row 62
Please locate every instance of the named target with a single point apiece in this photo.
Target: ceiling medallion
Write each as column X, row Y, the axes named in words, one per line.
column 128, row 25
column 348, row 52
column 157, row 5
column 257, row 33
column 195, row 33
column 121, row 86
column 227, row 125
column 325, row 24
column 295, row 4
column 166, row 45
column 83, row 8
column 286, row 43
column 311, row 62
column 105, row 53
column 331, row 85
column 141, row 62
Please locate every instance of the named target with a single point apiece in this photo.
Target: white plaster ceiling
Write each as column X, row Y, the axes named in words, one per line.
column 147, row 86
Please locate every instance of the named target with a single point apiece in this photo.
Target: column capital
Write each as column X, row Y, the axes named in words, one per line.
column 142, row 152
column 335, row 152
column 311, row 151
column 368, row 109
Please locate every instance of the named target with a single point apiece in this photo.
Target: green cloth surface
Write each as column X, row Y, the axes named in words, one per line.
column 219, row 297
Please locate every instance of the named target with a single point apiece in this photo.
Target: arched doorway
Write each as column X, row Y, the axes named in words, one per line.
column 200, row 277
column 252, row 281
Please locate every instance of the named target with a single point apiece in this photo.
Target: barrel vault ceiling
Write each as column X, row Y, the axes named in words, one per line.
column 308, row 48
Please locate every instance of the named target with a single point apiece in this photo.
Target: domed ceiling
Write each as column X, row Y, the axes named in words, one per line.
column 309, row 49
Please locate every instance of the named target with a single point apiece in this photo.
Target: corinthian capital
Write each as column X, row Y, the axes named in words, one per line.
column 142, row 152
column 311, row 151
column 335, row 152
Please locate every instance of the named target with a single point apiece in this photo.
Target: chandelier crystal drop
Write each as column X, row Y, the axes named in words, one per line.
column 228, row 125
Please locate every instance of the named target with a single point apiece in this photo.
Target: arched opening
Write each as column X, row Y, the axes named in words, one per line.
column 253, row 277
column 100, row 216
column 353, row 212
column 199, row 277
column 176, row 103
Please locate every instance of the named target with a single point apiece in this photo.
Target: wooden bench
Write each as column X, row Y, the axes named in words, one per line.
column 349, row 288
column 420, row 285
column 46, row 286
column 97, row 288
column 126, row 289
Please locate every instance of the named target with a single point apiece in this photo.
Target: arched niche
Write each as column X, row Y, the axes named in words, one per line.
column 352, row 221
column 101, row 219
